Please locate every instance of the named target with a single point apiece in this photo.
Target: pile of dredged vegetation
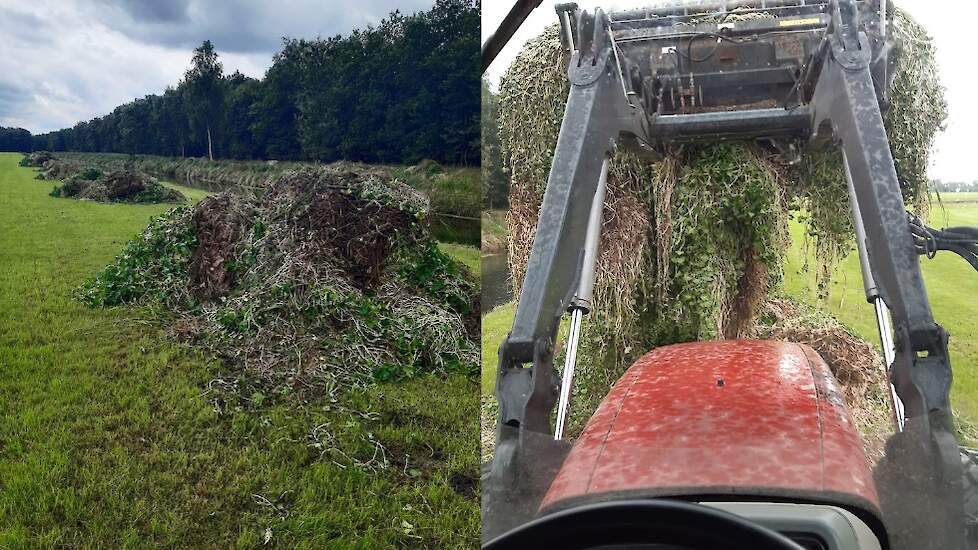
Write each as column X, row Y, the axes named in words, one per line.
column 117, row 186
column 693, row 246
column 36, row 159
column 99, row 182
column 325, row 275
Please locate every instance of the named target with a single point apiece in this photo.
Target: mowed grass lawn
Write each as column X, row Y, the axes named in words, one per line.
column 193, row 195
column 111, row 435
column 467, row 255
column 952, row 287
column 951, row 198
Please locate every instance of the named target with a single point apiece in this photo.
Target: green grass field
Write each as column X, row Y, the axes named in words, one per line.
column 952, row 285
column 114, row 436
column 495, row 326
column 455, row 194
column 951, row 198
column 468, row 255
column 192, row 194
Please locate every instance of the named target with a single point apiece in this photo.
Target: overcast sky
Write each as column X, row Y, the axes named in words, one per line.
column 953, row 35
column 64, row 61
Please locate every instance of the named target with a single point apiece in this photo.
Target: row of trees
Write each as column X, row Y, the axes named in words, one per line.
column 15, row 139
column 395, row 93
column 495, row 179
column 954, row 186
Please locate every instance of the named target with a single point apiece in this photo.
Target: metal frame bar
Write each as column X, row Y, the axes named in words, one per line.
column 597, row 116
column 581, row 303
column 846, row 105
column 495, row 43
column 883, row 326
column 567, row 379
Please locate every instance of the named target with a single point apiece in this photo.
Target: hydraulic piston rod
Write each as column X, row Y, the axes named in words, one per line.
column 566, row 381
column 873, row 296
column 581, row 303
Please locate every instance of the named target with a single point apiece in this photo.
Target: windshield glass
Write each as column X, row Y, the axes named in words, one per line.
column 742, row 318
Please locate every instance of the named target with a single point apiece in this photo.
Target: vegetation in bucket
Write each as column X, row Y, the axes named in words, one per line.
column 693, row 246
column 329, row 275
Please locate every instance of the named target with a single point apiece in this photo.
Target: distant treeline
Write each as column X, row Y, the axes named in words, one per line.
column 405, row 90
column 954, row 186
column 495, row 178
column 15, row 139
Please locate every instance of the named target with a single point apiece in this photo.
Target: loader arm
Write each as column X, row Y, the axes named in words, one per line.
column 845, row 108
column 598, row 115
column 840, row 89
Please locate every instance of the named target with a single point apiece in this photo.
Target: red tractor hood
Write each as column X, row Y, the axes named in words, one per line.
column 737, row 420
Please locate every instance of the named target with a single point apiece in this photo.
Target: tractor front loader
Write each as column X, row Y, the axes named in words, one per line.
column 802, row 74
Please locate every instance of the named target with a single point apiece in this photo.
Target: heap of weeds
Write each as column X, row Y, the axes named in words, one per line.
column 119, row 186
column 327, row 276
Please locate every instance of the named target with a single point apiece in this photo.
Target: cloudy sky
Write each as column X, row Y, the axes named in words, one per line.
column 952, row 35
column 63, row 61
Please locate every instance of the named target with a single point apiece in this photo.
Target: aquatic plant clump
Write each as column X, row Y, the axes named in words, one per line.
column 328, row 275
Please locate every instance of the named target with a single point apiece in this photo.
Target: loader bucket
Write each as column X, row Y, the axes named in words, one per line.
column 709, row 71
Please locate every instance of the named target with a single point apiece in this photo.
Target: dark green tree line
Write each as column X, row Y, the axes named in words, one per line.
column 495, row 180
column 402, row 91
column 15, row 139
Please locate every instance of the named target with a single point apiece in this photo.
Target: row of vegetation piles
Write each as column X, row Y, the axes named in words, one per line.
column 453, row 191
column 693, row 246
column 199, row 173
column 36, row 159
column 328, row 276
column 99, row 182
column 398, row 92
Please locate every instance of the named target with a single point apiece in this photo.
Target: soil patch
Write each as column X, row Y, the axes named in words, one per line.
column 218, row 231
